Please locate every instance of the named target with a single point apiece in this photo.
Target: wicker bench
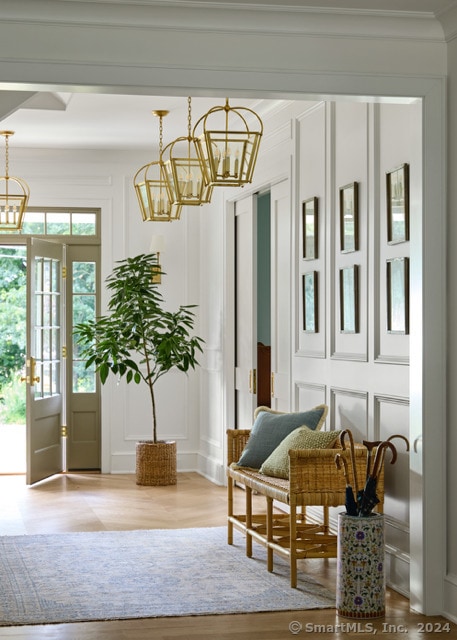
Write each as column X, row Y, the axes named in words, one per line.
column 313, row 481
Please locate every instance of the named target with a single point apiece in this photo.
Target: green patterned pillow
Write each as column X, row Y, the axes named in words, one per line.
column 270, row 428
column 277, row 464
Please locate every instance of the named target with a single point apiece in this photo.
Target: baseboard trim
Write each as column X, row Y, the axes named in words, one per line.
column 450, row 597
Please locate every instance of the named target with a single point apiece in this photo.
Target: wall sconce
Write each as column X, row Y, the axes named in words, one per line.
column 157, row 245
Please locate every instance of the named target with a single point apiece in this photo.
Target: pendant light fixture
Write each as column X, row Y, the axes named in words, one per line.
column 14, row 195
column 230, row 139
column 155, row 194
column 187, row 169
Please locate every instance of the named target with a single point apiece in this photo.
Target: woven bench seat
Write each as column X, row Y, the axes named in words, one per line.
column 313, row 481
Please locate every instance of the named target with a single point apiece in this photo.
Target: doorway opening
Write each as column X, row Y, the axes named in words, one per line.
column 13, row 291
column 263, row 300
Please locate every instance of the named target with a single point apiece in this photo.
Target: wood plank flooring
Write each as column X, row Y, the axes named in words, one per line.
column 92, row 502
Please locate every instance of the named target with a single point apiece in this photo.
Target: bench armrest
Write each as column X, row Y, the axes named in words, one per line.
column 314, row 471
column 236, row 441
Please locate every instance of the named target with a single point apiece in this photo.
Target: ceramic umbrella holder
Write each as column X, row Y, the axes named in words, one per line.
column 360, row 587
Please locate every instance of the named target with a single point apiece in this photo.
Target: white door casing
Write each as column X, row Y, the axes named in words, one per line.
column 245, row 310
column 281, row 293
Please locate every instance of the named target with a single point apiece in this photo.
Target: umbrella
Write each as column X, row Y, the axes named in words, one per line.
column 369, row 447
column 351, row 504
column 369, row 498
column 348, row 433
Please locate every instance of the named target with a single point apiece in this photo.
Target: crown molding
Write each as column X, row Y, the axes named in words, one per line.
column 251, row 17
column 448, row 20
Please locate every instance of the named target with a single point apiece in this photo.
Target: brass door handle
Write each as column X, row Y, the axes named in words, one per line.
column 32, row 378
column 253, row 381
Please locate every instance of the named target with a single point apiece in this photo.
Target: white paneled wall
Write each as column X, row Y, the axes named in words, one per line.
column 365, row 373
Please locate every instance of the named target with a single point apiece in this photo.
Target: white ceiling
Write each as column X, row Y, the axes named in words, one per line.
column 103, row 121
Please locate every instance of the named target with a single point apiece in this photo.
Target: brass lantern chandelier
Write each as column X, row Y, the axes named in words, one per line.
column 155, row 194
column 14, row 195
column 187, row 169
column 230, row 144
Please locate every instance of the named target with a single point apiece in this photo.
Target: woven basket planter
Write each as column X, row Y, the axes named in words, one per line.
column 156, row 463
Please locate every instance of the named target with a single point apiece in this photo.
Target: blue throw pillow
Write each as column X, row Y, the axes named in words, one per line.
column 270, row 429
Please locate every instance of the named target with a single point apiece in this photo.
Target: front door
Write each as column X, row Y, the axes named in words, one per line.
column 44, row 371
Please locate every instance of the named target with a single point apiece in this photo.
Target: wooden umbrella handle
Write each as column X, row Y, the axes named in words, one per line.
column 348, row 433
column 379, row 457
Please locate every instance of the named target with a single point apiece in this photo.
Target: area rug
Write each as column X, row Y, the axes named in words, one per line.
column 113, row 575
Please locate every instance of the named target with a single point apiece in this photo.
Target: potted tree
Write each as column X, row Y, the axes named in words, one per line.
column 141, row 341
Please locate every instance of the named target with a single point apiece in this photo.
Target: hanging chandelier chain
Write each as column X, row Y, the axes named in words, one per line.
column 7, row 135
column 7, row 160
column 160, row 135
column 189, row 117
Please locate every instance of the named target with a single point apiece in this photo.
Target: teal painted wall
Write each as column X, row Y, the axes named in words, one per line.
column 263, row 269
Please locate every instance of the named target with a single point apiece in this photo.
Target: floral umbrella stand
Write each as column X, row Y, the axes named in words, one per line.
column 361, row 584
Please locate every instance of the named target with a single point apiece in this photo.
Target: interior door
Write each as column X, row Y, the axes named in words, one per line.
column 245, row 311
column 44, row 371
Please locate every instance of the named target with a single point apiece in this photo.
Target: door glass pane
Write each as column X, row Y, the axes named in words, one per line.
column 46, row 344
column 55, row 310
column 84, row 277
column 46, row 310
column 55, row 377
column 34, row 223
column 38, row 275
column 38, row 311
column 58, row 224
column 83, row 224
column 38, row 342
column 55, row 275
column 55, row 343
column 39, row 381
column 46, row 379
column 83, row 299
column 83, row 379
column 47, row 327
column 47, row 279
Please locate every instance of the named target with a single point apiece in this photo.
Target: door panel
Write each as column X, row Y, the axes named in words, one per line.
column 44, row 359
column 281, row 303
column 245, row 311
column 83, row 386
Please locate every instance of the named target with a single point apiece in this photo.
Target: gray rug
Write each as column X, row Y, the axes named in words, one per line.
column 112, row 575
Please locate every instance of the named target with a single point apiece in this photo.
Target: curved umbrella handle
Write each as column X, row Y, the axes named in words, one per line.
column 341, row 462
column 348, row 433
column 397, row 435
column 369, row 447
column 380, row 454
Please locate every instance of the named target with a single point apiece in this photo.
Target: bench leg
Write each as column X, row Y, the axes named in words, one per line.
column 293, row 545
column 248, row 522
column 325, row 519
column 269, row 534
column 229, row 510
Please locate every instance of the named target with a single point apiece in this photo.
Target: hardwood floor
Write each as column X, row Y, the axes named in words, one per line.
column 91, row 502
